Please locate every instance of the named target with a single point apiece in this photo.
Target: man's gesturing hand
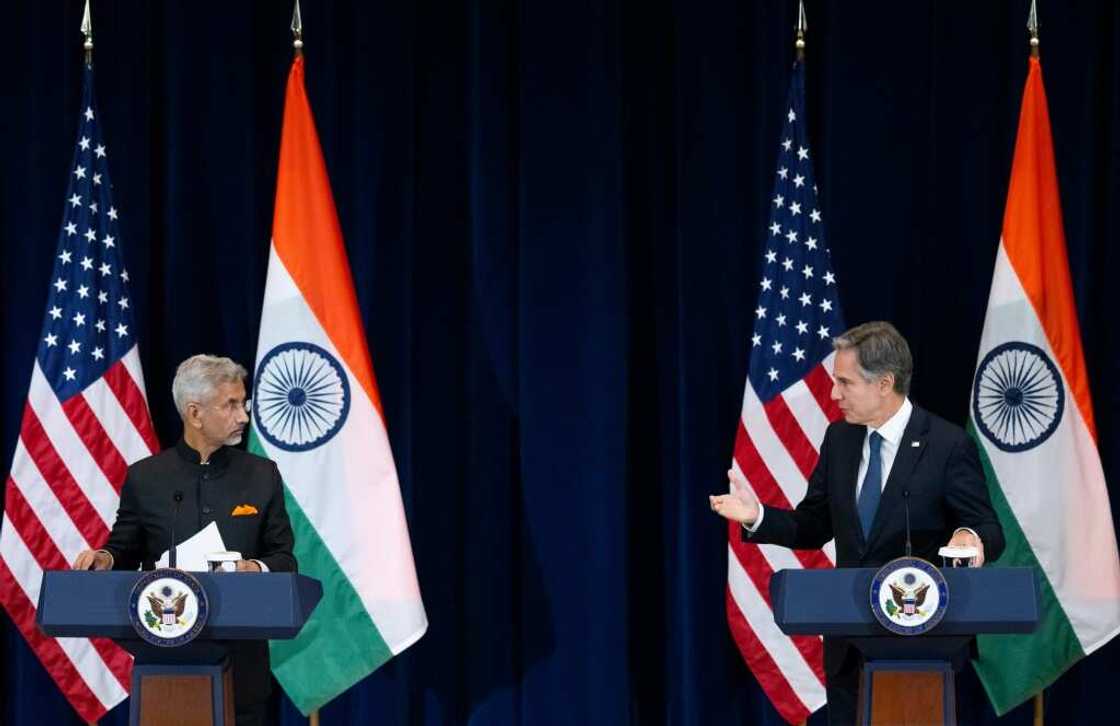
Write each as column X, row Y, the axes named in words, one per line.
column 742, row 506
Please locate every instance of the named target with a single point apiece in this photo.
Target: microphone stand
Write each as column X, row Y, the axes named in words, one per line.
column 178, row 497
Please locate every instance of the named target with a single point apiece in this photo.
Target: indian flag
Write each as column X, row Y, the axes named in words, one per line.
column 317, row 414
column 1032, row 416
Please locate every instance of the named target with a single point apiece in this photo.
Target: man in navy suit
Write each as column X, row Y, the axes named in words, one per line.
column 884, row 451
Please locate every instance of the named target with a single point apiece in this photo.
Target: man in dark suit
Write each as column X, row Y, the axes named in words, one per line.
column 884, row 451
column 206, row 480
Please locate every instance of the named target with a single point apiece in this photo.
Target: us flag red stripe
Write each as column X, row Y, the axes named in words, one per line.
column 86, row 419
column 786, row 409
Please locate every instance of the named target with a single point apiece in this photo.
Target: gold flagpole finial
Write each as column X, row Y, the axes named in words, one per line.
column 297, row 30
column 1032, row 26
column 87, row 31
column 802, row 26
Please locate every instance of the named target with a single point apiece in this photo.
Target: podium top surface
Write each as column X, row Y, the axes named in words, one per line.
column 837, row 602
column 243, row 605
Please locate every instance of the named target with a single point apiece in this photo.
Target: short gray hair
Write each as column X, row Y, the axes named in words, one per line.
column 880, row 349
column 198, row 376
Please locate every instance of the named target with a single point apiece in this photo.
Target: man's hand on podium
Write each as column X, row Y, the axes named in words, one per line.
column 93, row 559
column 740, row 506
column 248, row 566
column 968, row 538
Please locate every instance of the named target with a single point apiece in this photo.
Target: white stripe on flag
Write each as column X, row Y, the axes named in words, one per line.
column 773, row 452
column 787, row 657
column 16, row 555
column 131, row 361
column 50, row 512
column 93, row 670
column 115, row 421
column 74, row 454
column 804, row 407
column 29, row 576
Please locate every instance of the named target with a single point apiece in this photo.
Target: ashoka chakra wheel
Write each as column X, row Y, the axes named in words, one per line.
column 1017, row 397
column 300, row 396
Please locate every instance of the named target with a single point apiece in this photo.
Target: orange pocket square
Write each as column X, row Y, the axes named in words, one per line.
column 243, row 510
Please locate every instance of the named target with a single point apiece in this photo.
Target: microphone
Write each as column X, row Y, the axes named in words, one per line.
column 906, row 502
column 178, row 497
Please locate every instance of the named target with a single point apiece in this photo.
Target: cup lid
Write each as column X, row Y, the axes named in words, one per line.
column 958, row 552
column 223, row 556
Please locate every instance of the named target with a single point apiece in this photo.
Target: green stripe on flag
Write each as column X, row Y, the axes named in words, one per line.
column 340, row 644
column 1015, row 667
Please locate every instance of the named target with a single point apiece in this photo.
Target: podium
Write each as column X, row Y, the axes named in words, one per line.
column 906, row 679
column 174, row 685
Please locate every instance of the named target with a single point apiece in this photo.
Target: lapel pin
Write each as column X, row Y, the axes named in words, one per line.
column 915, row 444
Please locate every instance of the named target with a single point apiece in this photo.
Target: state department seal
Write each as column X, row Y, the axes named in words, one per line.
column 909, row 596
column 168, row 608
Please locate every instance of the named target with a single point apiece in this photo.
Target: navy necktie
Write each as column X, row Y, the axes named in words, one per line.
column 872, row 489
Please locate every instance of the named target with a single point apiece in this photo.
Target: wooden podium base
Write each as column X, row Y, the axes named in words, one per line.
column 907, row 693
column 181, row 695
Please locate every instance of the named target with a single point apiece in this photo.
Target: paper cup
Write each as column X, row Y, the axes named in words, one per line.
column 222, row 561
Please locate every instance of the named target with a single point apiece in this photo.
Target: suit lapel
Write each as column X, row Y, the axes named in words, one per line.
column 910, row 451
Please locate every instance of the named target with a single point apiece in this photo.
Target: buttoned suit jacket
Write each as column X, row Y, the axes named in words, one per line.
column 210, row 493
column 936, row 469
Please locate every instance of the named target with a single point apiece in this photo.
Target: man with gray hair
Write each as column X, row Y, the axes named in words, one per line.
column 884, row 450
column 203, row 479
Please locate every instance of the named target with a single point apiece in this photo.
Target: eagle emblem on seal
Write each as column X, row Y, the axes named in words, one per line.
column 167, row 606
column 909, row 600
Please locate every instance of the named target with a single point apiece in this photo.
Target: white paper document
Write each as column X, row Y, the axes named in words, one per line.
column 191, row 554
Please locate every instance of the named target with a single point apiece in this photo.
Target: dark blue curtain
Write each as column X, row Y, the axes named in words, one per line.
column 553, row 212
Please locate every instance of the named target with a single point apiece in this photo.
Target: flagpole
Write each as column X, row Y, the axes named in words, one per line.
column 802, row 26
column 1032, row 27
column 87, row 31
column 297, row 52
column 297, row 31
column 799, row 45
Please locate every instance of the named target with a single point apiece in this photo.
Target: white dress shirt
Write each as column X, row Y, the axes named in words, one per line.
column 891, row 431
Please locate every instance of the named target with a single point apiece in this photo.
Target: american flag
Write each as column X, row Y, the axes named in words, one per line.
column 786, row 409
column 85, row 420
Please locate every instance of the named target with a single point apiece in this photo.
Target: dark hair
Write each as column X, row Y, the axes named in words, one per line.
column 880, row 349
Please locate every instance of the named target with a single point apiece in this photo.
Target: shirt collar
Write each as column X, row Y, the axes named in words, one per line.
column 893, row 428
column 218, row 459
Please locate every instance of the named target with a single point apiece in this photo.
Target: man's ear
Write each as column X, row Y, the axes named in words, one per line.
column 886, row 384
column 192, row 416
